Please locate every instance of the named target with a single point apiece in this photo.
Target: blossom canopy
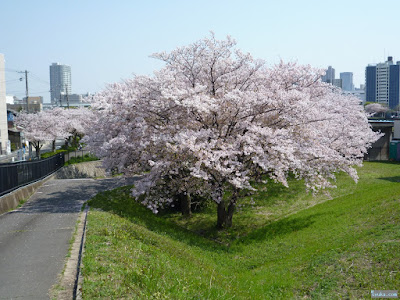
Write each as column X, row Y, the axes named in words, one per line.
column 216, row 116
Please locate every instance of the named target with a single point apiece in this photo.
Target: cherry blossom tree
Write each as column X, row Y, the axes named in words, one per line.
column 41, row 127
column 215, row 120
column 77, row 119
column 375, row 108
column 48, row 125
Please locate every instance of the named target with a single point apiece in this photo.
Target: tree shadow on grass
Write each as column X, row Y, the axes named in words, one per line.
column 120, row 203
column 279, row 228
column 391, row 179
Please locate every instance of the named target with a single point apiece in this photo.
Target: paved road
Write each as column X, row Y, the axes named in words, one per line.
column 34, row 239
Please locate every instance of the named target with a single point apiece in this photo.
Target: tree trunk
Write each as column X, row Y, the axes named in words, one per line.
column 186, row 204
column 37, row 148
column 74, row 140
column 221, row 214
column 225, row 214
column 53, row 146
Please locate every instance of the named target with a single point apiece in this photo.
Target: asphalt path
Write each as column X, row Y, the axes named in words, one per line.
column 34, row 239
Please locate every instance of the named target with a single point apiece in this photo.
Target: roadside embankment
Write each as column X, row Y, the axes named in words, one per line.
column 90, row 169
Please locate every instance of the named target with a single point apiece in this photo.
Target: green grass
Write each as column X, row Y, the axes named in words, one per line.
column 50, row 154
column 79, row 159
column 72, row 160
column 22, row 202
column 284, row 244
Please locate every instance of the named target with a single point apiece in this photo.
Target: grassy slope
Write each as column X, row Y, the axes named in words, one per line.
column 284, row 244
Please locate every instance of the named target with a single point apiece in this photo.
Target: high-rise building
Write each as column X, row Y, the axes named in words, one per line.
column 347, row 81
column 382, row 83
column 3, row 109
column 329, row 76
column 60, row 81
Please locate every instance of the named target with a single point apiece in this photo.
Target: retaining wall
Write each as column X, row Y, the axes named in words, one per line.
column 90, row 169
column 11, row 200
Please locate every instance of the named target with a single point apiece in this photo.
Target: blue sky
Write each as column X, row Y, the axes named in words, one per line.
column 108, row 41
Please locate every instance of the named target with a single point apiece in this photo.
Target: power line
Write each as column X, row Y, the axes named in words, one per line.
column 10, row 80
column 8, row 70
column 23, row 93
column 34, row 76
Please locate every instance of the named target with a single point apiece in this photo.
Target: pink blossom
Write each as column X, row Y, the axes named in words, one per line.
column 215, row 119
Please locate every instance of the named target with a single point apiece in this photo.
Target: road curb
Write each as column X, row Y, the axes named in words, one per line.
column 69, row 286
column 78, row 282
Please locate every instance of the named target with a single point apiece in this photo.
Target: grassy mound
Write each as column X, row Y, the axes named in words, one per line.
column 284, row 243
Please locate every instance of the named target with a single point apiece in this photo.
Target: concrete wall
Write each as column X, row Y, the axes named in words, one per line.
column 90, row 169
column 380, row 149
column 10, row 201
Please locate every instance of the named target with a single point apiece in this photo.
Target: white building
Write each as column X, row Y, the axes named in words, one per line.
column 383, row 83
column 382, row 80
column 60, row 81
column 3, row 109
column 10, row 99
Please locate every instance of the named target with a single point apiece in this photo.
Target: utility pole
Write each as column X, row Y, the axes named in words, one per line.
column 27, row 90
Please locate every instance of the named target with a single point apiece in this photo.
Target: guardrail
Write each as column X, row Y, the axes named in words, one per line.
column 15, row 175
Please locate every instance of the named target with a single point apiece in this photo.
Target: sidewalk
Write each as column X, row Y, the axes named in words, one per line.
column 34, row 240
column 7, row 158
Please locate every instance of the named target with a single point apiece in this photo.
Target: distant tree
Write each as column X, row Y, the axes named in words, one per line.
column 376, row 108
column 48, row 125
column 77, row 120
column 216, row 115
column 41, row 127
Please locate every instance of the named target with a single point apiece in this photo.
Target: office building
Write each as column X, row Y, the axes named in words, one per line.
column 347, row 81
column 337, row 82
column 72, row 100
column 382, row 83
column 329, row 75
column 3, row 109
column 60, row 81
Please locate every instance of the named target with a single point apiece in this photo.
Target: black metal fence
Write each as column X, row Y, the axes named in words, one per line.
column 15, row 175
column 76, row 153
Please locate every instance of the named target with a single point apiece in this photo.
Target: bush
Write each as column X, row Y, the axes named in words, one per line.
column 68, row 148
column 79, row 159
column 50, row 154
